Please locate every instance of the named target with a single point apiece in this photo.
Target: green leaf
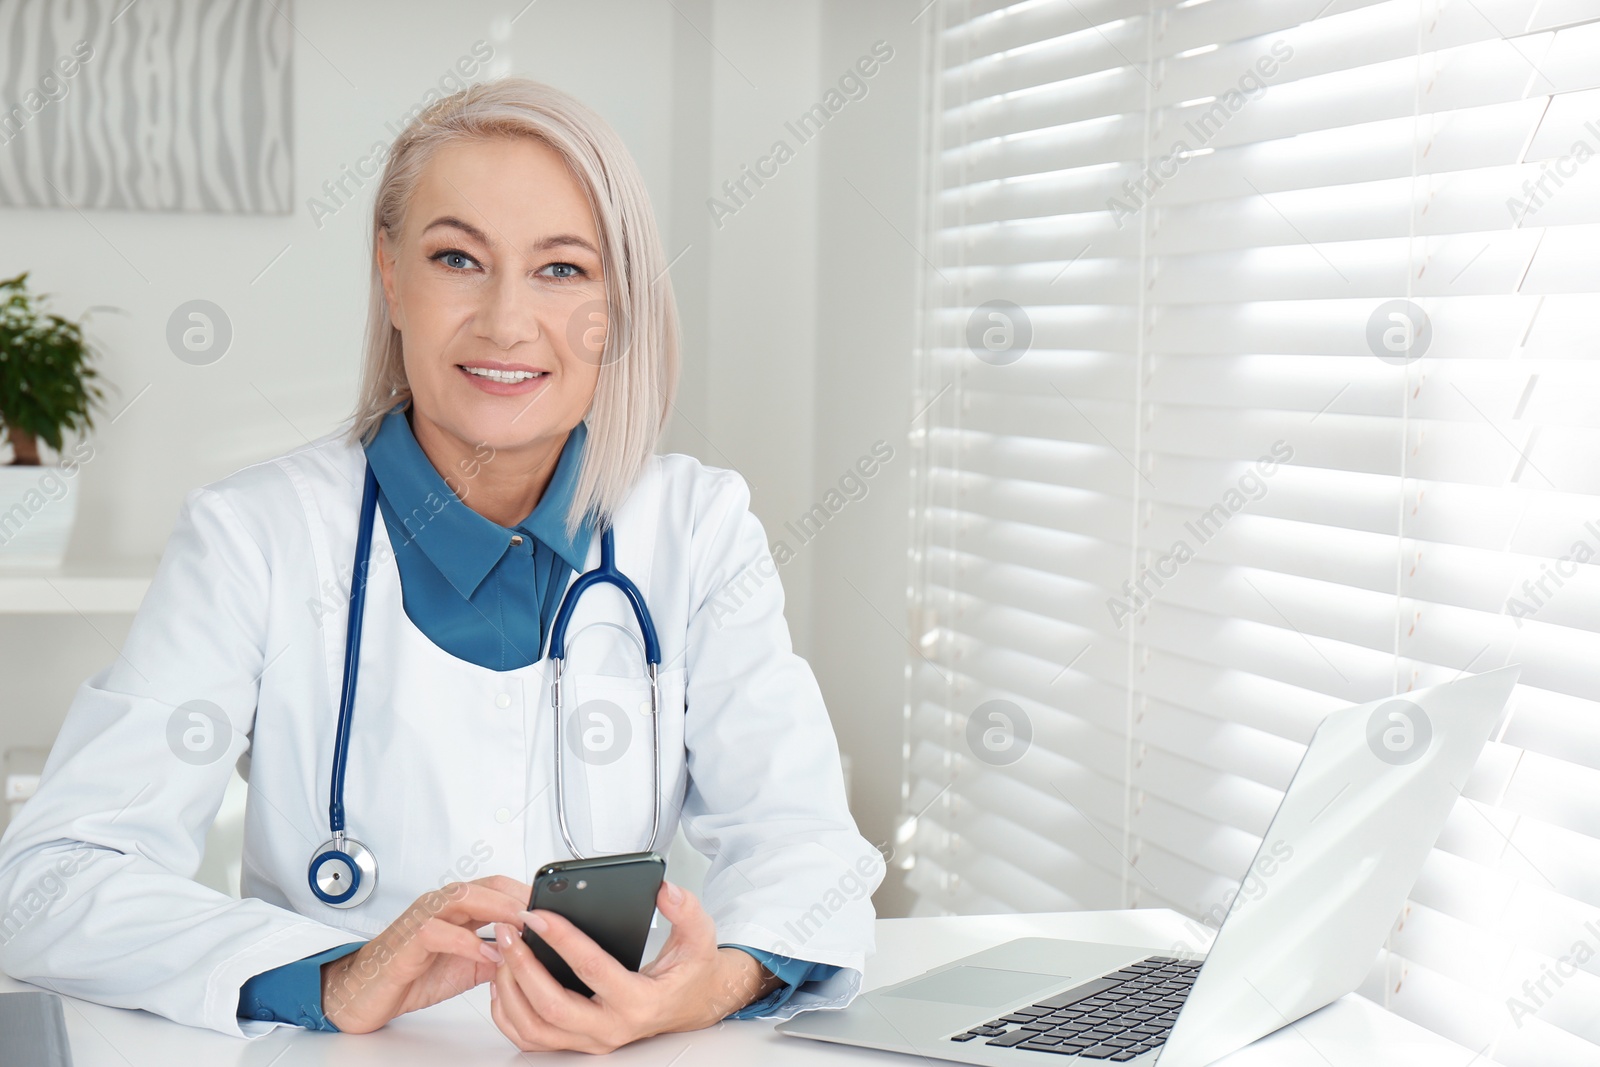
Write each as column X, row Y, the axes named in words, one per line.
column 46, row 371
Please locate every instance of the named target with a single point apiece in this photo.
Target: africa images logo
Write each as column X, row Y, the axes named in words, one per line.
column 1398, row 732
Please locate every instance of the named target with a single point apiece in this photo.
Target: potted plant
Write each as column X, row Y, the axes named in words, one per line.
column 47, row 389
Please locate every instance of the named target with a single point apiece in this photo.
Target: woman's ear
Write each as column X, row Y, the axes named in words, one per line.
column 384, row 255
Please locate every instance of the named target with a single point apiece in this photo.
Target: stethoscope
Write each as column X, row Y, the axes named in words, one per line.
column 343, row 871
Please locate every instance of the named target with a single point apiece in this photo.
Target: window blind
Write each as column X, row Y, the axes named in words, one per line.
column 1257, row 377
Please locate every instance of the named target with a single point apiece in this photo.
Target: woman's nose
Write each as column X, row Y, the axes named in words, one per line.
column 510, row 311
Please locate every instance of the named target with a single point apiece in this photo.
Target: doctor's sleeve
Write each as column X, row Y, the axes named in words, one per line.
column 792, row 973
column 97, row 891
column 790, row 873
column 292, row 993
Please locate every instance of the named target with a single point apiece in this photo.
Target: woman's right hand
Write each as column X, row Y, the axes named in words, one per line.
column 430, row 953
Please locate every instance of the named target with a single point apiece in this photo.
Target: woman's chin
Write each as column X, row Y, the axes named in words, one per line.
column 504, row 423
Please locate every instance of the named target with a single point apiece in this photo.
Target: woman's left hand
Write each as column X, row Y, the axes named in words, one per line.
column 691, row 984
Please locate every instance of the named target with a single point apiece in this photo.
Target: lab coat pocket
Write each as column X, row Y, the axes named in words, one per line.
column 609, row 745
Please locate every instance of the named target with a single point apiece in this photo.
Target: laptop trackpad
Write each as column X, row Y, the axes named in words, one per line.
column 982, row 987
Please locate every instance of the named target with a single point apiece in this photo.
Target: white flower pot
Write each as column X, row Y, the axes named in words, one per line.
column 37, row 509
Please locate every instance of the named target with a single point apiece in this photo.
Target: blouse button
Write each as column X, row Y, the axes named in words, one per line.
column 503, row 700
column 516, row 539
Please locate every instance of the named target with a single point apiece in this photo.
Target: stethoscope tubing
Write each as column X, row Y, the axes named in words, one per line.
column 355, row 858
column 605, row 574
column 352, row 644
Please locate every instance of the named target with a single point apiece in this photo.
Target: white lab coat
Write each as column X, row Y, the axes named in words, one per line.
column 451, row 764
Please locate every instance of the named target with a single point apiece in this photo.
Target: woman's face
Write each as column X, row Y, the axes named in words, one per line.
column 495, row 285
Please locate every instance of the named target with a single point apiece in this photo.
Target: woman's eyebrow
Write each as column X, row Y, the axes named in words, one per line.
column 466, row 227
column 479, row 236
column 565, row 239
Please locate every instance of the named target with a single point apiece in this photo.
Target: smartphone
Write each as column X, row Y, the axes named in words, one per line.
column 610, row 898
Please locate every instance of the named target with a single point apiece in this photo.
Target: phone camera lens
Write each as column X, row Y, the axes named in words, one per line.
column 557, row 885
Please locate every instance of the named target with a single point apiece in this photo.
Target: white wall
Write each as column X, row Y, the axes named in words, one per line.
column 796, row 313
column 807, row 362
column 868, row 261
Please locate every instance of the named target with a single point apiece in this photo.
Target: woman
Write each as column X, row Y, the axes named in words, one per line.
column 521, row 361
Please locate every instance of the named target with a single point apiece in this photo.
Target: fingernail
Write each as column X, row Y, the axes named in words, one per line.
column 490, row 953
column 674, row 894
column 535, row 922
column 502, row 933
column 493, row 992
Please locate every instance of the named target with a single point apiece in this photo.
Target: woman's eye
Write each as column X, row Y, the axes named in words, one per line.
column 566, row 270
column 454, row 258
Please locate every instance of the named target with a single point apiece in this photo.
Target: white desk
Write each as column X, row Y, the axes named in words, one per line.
column 1351, row 1032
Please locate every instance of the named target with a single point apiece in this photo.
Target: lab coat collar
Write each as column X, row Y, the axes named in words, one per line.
column 464, row 545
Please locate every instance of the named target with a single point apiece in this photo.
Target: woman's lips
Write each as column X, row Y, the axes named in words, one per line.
column 504, row 388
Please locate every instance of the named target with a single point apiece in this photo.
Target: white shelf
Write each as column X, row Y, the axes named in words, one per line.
column 116, row 587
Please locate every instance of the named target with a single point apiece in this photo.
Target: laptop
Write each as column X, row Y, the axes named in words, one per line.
column 1366, row 804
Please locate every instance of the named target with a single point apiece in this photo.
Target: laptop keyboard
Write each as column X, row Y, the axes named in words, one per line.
column 1117, row 1018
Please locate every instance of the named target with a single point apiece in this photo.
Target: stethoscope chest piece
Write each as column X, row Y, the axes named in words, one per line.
column 343, row 872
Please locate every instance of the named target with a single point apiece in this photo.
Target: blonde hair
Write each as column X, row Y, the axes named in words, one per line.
column 639, row 366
